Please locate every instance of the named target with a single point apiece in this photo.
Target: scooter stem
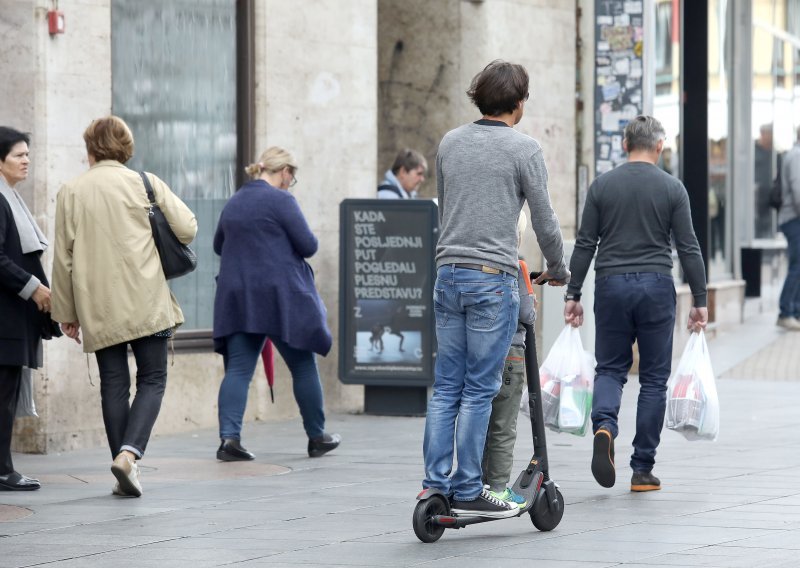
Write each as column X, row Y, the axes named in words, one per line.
column 535, row 401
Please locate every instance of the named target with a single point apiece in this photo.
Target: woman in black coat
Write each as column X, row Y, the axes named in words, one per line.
column 24, row 296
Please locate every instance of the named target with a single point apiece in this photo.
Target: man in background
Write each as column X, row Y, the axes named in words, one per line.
column 764, row 174
column 405, row 177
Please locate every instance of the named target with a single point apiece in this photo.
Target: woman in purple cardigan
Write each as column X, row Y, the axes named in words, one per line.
column 265, row 290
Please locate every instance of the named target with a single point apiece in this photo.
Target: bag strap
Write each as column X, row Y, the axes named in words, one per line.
column 150, row 195
column 392, row 188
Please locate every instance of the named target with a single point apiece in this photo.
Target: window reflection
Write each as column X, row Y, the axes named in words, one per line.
column 174, row 82
column 666, row 104
column 719, row 191
column 776, row 100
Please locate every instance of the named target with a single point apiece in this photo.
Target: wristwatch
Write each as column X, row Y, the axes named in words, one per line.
column 572, row 296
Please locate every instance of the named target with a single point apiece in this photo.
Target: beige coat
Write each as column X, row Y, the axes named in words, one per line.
column 106, row 271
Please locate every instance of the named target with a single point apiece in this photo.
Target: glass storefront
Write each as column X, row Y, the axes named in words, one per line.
column 719, row 189
column 775, row 101
column 771, row 111
column 175, row 85
column 667, row 100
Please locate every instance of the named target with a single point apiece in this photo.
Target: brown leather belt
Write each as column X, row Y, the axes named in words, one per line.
column 478, row 267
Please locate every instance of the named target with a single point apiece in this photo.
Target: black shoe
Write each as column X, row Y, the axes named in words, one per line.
column 322, row 445
column 603, row 458
column 645, row 481
column 231, row 450
column 484, row 505
column 17, row 482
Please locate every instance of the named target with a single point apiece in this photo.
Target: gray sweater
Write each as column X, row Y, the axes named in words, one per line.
column 633, row 210
column 484, row 173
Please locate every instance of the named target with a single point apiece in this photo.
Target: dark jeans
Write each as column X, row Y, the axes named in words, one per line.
column 128, row 426
column 242, row 351
column 790, row 294
column 10, row 380
column 634, row 307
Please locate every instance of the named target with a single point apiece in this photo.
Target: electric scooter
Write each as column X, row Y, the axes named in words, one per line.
column 544, row 502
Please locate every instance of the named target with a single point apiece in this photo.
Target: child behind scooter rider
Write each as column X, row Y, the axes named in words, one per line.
column 498, row 455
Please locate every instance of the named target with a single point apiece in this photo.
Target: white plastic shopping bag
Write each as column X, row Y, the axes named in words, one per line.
column 25, row 405
column 692, row 401
column 567, row 380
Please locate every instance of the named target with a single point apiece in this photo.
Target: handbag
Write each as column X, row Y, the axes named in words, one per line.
column 177, row 259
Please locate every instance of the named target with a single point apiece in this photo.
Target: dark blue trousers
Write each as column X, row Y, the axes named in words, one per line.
column 790, row 294
column 634, row 307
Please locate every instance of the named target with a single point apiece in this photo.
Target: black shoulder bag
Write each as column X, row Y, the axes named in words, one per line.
column 177, row 259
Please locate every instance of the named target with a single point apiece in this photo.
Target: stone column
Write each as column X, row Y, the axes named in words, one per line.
column 428, row 54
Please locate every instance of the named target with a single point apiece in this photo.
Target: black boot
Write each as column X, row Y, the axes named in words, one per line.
column 232, row 450
column 322, row 445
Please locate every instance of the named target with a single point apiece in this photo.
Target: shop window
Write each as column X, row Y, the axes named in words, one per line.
column 775, row 103
column 666, row 104
column 719, row 187
column 175, row 84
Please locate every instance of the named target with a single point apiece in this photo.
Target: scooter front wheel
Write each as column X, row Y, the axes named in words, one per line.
column 544, row 517
column 424, row 527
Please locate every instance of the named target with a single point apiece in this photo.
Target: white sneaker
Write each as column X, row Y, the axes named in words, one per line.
column 127, row 474
column 117, row 491
column 790, row 323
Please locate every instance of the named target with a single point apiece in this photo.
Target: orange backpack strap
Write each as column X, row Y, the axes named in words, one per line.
column 526, row 275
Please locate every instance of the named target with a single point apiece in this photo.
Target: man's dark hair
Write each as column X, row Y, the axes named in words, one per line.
column 409, row 160
column 643, row 133
column 499, row 88
column 10, row 138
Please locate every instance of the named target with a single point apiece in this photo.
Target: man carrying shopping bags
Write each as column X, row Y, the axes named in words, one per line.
column 634, row 211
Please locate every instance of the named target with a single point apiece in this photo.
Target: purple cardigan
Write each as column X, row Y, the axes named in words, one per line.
column 265, row 286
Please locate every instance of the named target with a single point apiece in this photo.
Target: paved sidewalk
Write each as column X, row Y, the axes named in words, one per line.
column 731, row 503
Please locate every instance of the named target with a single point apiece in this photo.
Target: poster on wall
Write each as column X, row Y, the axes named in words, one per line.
column 386, row 273
column 619, row 30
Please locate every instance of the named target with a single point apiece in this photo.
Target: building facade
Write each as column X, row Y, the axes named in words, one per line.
column 206, row 85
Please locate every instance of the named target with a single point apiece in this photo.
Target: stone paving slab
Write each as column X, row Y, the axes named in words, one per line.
column 729, row 504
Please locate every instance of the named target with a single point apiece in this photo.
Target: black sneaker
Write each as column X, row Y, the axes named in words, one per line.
column 603, row 458
column 322, row 445
column 485, row 505
column 232, row 450
column 645, row 481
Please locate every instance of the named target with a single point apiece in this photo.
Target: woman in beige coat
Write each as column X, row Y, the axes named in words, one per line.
column 108, row 282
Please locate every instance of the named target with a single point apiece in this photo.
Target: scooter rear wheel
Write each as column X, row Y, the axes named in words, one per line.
column 543, row 517
column 424, row 527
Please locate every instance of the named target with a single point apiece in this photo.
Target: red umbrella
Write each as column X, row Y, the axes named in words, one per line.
column 268, row 358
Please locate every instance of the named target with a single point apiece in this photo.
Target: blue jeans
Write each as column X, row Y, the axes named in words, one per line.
column 476, row 316
column 242, row 355
column 790, row 295
column 634, row 307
